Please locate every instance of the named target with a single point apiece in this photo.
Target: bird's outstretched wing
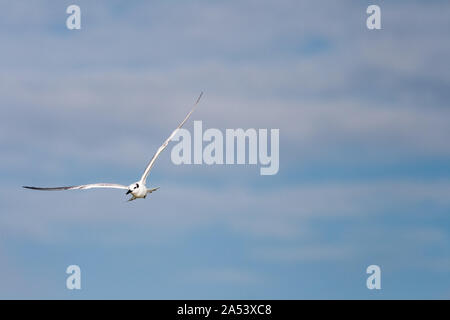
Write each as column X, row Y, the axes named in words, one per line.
column 84, row 186
column 164, row 145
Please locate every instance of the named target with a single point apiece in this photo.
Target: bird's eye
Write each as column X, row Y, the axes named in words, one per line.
column 137, row 185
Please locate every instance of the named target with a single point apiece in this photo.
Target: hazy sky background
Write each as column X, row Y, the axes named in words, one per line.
column 364, row 125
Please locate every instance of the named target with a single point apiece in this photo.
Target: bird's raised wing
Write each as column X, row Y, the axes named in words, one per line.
column 84, row 186
column 164, row 145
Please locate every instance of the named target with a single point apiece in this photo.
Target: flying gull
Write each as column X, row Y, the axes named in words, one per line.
column 137, row 189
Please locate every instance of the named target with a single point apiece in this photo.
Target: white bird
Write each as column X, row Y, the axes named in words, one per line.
column 137, row 189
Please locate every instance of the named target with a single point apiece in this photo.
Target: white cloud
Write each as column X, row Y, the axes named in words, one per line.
column 283, row 213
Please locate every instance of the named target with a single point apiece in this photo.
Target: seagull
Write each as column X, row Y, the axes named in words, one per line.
column 137, row 189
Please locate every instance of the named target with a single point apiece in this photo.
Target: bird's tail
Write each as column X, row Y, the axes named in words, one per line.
column 151, row 190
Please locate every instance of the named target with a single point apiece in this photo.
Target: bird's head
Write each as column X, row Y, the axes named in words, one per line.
column 133, row 187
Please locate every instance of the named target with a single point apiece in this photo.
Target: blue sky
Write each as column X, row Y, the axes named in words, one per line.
column 364, row 156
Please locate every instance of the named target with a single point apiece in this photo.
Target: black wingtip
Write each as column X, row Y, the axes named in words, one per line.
column 199, row 97
column 31, row 188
